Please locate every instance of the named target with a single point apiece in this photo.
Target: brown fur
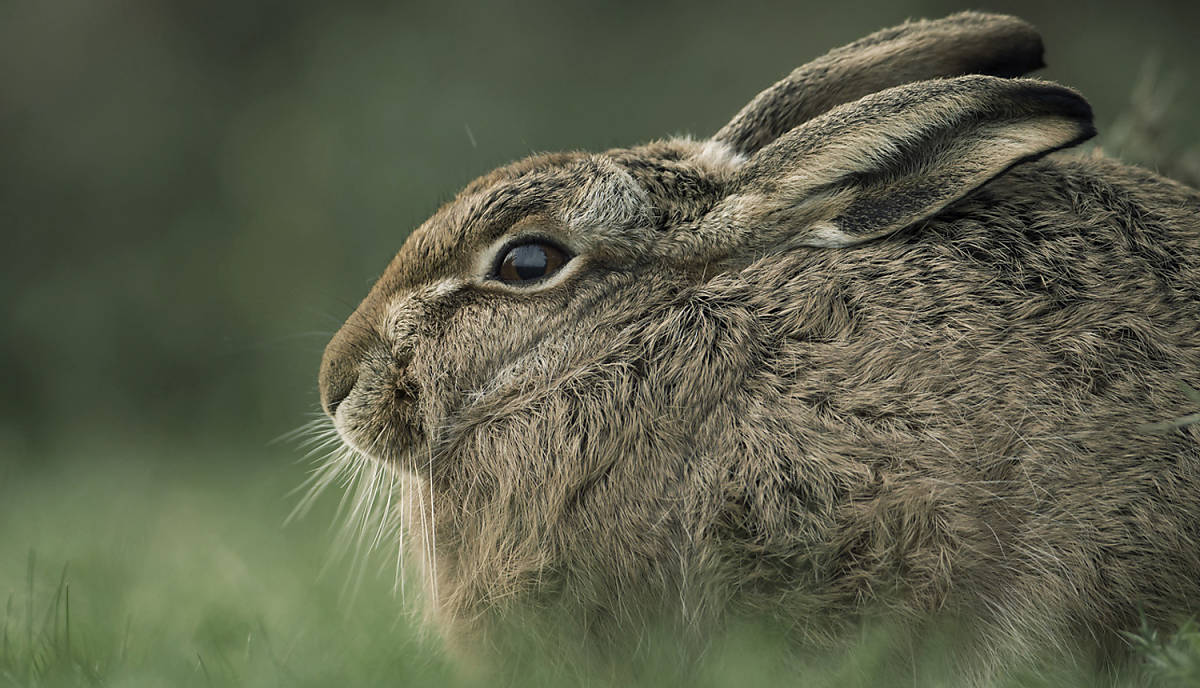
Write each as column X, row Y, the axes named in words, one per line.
column 895, row 359
column 963, row 43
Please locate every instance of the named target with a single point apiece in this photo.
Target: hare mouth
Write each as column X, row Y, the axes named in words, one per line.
column 380, row 420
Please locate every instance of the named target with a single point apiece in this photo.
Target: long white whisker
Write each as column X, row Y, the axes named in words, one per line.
column 403, row 513
column 372, row 508
column 424, row 525
column 433, row 536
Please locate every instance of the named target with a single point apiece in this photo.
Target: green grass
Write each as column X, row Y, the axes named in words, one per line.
column 126, row 572
column 121, row 569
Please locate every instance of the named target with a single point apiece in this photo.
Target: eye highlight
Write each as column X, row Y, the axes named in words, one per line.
column 529, row 262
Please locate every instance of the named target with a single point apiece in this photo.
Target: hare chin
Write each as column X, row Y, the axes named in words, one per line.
column 385, row 441
column 348, row 439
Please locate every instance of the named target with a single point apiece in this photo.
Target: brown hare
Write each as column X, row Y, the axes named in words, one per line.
column 867, row 350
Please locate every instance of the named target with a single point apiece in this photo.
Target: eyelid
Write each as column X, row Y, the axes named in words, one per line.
column 489, row 259
column 509, row 243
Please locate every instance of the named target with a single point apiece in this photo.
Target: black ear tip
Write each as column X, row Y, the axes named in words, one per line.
column 1057, row 100
column 1015, row 65
column 1018, row 47
column 1025, row 54
column 1089, row 130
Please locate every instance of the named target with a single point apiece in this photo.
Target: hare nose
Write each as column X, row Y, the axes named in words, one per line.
column 343, row 358
column 339, row 373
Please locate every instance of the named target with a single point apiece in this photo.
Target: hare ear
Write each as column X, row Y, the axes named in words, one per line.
column 892, row 159
column 964, row 43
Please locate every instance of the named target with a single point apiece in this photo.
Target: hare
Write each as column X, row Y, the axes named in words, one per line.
column 869, row 349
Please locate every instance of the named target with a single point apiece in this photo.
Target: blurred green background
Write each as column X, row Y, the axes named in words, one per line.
column 193, row 196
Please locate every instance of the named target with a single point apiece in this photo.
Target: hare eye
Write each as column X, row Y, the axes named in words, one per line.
column 532, row 261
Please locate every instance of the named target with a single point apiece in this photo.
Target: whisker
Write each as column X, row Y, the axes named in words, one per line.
column 371, row 513
column 433, row 535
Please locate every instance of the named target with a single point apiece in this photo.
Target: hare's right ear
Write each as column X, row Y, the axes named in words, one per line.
column 887, row 161
column 963, row 43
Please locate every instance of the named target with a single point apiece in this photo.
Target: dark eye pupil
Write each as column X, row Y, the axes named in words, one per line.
column 530, row 261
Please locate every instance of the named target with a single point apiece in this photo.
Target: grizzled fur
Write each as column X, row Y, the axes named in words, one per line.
column 894, row 358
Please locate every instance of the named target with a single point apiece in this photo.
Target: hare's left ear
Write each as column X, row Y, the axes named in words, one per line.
column 889, row 160
column 963, row 43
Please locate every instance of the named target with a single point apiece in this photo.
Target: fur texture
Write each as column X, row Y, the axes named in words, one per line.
column 964, row 43
column 875, row 354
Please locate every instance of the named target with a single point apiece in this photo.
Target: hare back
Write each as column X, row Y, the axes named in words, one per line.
column 970, row 397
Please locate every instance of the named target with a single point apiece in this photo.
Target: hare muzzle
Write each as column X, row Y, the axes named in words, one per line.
column 367, row 390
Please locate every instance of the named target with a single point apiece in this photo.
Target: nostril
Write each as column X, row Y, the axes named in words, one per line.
column 338, row 395
column 336, row 382
column 405, row 391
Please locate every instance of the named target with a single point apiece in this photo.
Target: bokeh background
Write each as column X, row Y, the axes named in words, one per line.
column 193, row 195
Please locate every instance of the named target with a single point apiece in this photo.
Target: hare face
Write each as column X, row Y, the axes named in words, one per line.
column 493, row 292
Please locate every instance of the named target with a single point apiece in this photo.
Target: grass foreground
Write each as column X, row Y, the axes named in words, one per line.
column 120, row 570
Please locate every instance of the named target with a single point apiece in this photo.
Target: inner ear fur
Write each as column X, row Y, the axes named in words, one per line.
column 963, row 43
column 891, row 159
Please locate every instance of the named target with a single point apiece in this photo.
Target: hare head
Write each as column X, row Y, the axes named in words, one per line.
column 695, row 378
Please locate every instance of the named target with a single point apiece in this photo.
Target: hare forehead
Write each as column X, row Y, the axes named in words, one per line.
column 590, row 193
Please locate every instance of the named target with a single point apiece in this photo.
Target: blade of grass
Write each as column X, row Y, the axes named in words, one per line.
column 1190, row 392
column 1166, row 426
column 201, row 666
column 68, row 619
column 51, row 615
column 29, row 615
column 7, row 617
